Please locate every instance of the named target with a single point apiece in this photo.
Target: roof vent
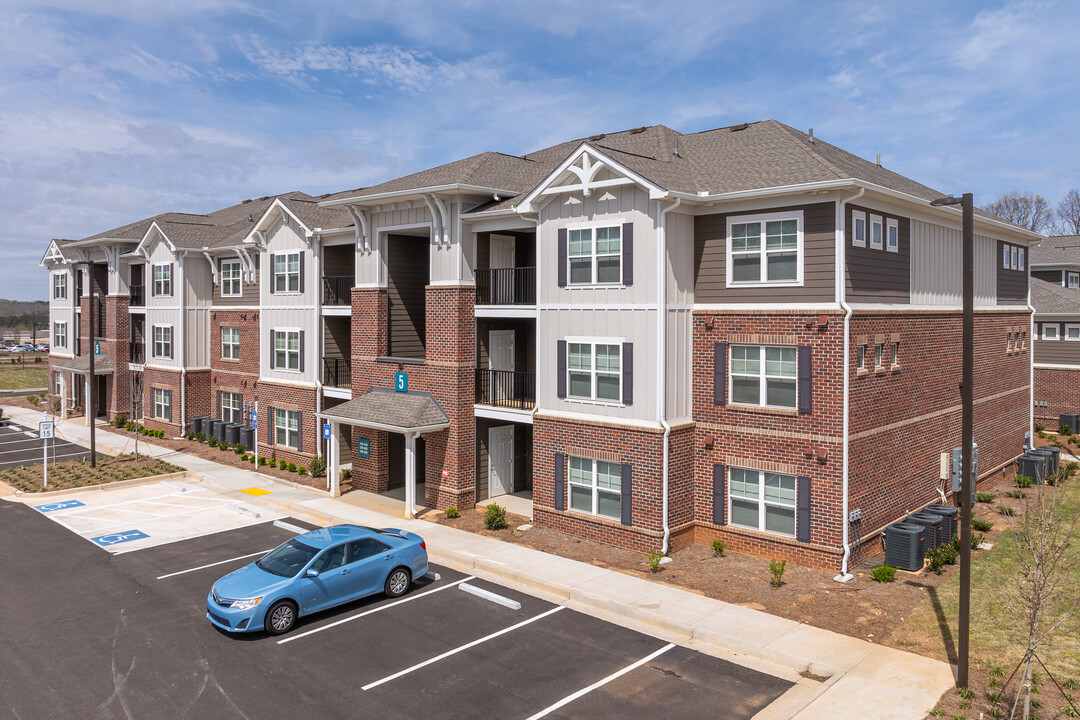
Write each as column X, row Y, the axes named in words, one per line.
column 251, row 218
column 246, row 201
column 265, row 197
column 676, row 151
column 811, row 136
column 879, row 159
column 594, row 138
column 638, row 131
column 737, row 128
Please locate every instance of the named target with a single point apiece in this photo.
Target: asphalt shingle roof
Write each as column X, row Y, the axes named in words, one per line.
column 411, row 410
column 1056, row 250
column 1050, row 298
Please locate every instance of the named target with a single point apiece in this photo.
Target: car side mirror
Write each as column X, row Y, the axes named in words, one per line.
column 311, row 573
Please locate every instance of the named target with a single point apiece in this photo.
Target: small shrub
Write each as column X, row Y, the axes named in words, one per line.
column 1041, row 434
column 1039, row 428
column 251, row 459
column 318, row 466
column 144, row 431
column 776, row 569
column 238, row 449
column 935, row 560
column 1015, row 494
column 966, row 694
column 1065, row 430
column 985, row 497
column 1074, row 440
column 1006, row 510
column 33, row 399
column 1068, row 469
column 130, row 427
column 981, row 525
column 244, row 457
column 495, row 517
column 452, row 512
column 301, row 470
column 212, row 441
column 161, row 433
column 346, row 474
column 1069, row 712
column 718, row 548
column 993, row 697
column 200, row 437
column 964, row 705
column 655, row 556
column 120, row 420
column 884, row 573
column 976, row 540
column 262, row 461
column 292, row 467
column 273, row 462
column 994, row 712
column 1023, row 481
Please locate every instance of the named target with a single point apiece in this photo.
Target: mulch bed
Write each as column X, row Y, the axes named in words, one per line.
column 78, row 473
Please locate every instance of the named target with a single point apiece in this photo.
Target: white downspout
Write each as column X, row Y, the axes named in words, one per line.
column 1030, row 349
column 320, row 321
column 661, row 352
column 183, row 344
column 841, row 296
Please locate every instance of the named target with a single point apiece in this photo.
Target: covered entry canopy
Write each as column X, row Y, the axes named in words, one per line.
column 103, row 365
column 410, row 413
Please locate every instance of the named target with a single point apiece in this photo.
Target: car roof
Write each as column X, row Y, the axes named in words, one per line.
column 325, row 537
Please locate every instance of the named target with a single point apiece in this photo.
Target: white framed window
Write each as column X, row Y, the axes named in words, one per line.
column 894, row 354
column 594, row 369
column 163, row 341
column 860, row 357
column 595, row 254
column 232, row 407
column 1023, row 340
column 60, row 334
column 1006, row 257
column 229, row 277
column 595, row 487
column 858, row 228
column 765, row 249
column 892, row 235
column 1049, row 331
column 162, row 276
column 287, row 272
column 876, row 232
column 878, row 354
column 230, row 343
column 1072, row 332
column 1014, row 258
column 287, row 350
column 1074, row 280
column 763, row 501
column 163, row 404
column 764, row 375
column 287, row 428
column 1020, row 265
column 60, row 286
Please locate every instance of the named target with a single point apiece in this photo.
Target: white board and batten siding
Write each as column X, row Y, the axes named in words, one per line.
column 164, row 309
column 679, row 229
column 198, row 296
column 446, row 259
column 936, row 267
column 62, row 310
column 289, row 309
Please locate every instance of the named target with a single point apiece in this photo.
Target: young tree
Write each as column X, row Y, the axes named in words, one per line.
column 1029, row 210
column 1067, row 217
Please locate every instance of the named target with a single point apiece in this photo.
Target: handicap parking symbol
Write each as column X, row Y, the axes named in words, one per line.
column 62, row 505
column 120, row 537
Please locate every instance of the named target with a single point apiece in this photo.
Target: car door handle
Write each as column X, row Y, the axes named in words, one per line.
column 346, row 571
column 389, row 558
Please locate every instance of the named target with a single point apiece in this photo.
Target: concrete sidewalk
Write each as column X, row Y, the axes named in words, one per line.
column 863, row 680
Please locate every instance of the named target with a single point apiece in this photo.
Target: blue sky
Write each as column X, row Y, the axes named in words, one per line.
column 114, row 111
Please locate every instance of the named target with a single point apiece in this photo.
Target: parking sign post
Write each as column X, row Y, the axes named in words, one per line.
column 45, row 433
column 255, row 427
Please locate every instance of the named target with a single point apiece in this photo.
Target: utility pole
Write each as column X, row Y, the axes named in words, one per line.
column 91, row 382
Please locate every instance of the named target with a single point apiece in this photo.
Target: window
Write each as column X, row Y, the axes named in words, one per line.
column 1072, row 332
column 875, row 232
column 1050, row 331
column 892, row 240
column 1074, row 280
column 230, row 278
column 594, row 370
column 232, row 405
column 1014, row 258
column 595, row 255
column 765, row 249
column 1023, row 340
column 763, row 501
column 230, row 343
column 596, row 487
column 763, row 375
column 365, row 548
column 60, row 334
column 331, row 559
column 878, row 348
column 163, row 279
column 287, row 349
column 1006, row 257
column 163, row 404
column 1013, row 342
column 858, row 228
column 894, row 354
column 60, row 286
column 860, row 357
column 287, row 428
column 287, row 272
column 163, row 341
column 1020, row 265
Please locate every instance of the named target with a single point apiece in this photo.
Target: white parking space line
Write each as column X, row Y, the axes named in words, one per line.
column 213, row 564
column 455, row 651
column 417, row 596
column 599, row 683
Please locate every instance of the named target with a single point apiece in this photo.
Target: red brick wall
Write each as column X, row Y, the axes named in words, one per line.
column 1059, row 388
column 117, row 345
column 241, row 375
column 169, row 380
column 289, row 397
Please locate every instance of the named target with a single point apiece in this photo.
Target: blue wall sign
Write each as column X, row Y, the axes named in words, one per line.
column 62, row 505
column 97, row 348
column 254, row 420
column 326, row 431
column 363, row 448
column 401, row 382
column 120, row 537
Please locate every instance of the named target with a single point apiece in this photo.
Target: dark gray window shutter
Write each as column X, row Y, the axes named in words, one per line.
column 273, row 284
column 168, row 408
column 627, row 374
column 802, row 509
column 219, row 407
column 628, row 253
column 301, row 351
column 720, row 373
column 560, row 384
column 560, row 483
column 562, row 257
column 172, row 277
column 627, row 483
column 299, row 431
column 273, row 354
column 270, row 427
column 301, row 280
column 805, row 386
column 719, row 493
column 172, row 344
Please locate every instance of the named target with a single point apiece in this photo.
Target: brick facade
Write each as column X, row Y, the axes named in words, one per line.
column 1059, row 388
column 242, row 374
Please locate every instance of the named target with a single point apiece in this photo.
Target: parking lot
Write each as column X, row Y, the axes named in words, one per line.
column 97, row 634
column 19, row 445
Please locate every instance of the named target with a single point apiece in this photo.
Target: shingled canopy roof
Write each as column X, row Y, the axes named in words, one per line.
column 103, row 365
column 385, row 409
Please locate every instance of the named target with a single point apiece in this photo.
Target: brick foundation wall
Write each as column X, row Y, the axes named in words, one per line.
column 287, row 397
column 240, row 375
column 1059, row 388
column 168, row 380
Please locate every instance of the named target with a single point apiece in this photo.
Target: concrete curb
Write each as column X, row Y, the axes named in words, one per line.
column 20, row 495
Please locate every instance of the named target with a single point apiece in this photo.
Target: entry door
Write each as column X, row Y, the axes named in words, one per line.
column 500, row 460
column 501, row 359
column 502, row 260
column 102, row 397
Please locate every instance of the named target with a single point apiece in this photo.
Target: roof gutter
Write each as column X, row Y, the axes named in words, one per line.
column 419, row 192
column 382, row 426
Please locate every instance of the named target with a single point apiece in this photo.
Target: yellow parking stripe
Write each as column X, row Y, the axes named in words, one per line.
column 256, row 491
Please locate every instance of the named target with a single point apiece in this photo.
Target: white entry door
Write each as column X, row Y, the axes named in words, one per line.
column 500, row 460
column 501, row 358
column 502, row 263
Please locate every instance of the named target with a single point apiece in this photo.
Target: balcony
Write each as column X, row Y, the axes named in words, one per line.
column 337, row 289
column 138, row 296
column 137, row 352
column 506, row 388
column 337, row 372
column 506, row 286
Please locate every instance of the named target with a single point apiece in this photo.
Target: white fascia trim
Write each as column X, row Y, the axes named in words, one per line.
column 1055, row 366
column 419, row 192
column 505, row 311
column 655, row 191
column 704, row 197
column 720, row 308
column 286, row 383
column 511, row 221
column 568, row 415
column 340, row 393
column 922, row 308
column 148, row 238
column 588, row 224
column 505, row 212
column 524, row 417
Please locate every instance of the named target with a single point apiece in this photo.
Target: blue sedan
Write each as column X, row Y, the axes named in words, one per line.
column 316, row 571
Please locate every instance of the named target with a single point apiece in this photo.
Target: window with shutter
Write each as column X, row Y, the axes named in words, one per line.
column 805, row 375
column 803, row 519
column 560, row 481
column 719, row 491
column 627, row 494
column 720, row 373
column 628, row 254
column 562, row 257
column 628, row 373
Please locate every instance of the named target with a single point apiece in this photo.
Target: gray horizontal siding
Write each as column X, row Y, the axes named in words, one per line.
column 249, row 293
column 1012, row 285
column 1056, row 352
column 873, row 275
column 1053, row 276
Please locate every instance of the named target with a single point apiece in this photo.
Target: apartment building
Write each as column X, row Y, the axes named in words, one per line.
column 1055, row 298
column 661, row 338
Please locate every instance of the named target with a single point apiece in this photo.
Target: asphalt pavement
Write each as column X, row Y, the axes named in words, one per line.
column 19, row 445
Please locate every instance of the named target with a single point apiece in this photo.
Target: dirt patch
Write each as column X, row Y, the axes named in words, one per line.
column 78, row 473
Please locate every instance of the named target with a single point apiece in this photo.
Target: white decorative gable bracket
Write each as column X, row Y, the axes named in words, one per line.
column 585, row 171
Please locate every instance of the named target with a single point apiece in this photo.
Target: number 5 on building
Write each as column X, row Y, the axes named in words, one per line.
column 401, row 382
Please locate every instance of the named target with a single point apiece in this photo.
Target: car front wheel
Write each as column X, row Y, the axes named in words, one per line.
column 280, row 618
column 397, row 583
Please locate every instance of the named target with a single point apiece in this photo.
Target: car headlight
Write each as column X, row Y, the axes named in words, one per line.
column 245, row 604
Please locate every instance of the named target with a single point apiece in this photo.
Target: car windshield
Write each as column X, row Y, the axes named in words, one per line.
column 287, row 559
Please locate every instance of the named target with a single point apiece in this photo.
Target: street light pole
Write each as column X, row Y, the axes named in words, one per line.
column 967, row 417
column 91, row 381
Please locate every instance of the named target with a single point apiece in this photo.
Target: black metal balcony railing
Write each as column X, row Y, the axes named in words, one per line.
column 337, row 372
column 506, row 286
column 506, row 388
column 138, row 296
column 138, row 352
column 337, row 289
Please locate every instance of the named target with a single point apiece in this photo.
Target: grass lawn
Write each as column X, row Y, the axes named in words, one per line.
column 78, row 473
column 17, row 376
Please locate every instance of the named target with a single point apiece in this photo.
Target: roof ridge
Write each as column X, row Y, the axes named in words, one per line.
column 794, row 135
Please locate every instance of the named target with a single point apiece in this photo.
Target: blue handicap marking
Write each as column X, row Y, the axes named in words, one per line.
column 120, row 537
column 62, row 505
